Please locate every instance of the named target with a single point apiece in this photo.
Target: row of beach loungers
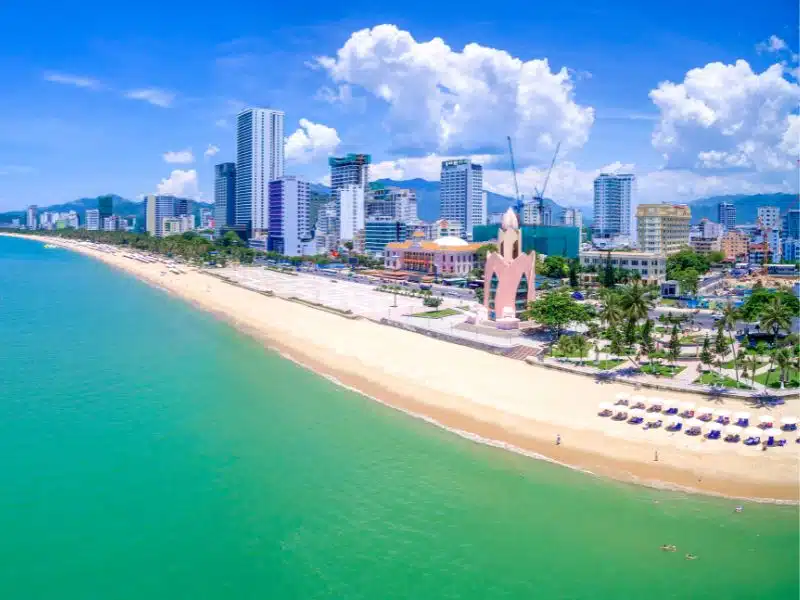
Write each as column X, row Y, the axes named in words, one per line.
column 714, row 423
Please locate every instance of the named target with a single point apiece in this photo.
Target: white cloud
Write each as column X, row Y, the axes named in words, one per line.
column 212, row 150
column 76, row 80
column 426, row 167
column 154, row 96
column 181, row 157
column 310, row 141
column 773, row 44
column 726, row 116
column 180, row 183
column 466, row 101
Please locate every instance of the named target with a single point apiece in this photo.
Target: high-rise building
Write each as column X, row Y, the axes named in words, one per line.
column 352, row 169
column 612, row 205
column 105, row 204
column 726, row 214
column 224, row 195
column 161, row 207
column 572, row 217
column 288, row 216
column 461, row 196
column 381, row 231
column 176, row 225
column 92, row 219
column 663, row 228
column 351, row 210
column 206, row 218
column 30, row 220
column 791, row 224
column 735, row 245
column 769, row 217
column 259, row 160
column 399, row 204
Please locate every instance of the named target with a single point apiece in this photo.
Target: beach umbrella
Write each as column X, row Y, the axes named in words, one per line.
column 623, row 396
column 656, row 401
column 606, row 406
column 766, row 419
column 716, row 426
column 705, row 410
column 692, row 423
column 653, row 417
column 741, row 416
column 772, row 432
column 638, row 412
column 733, row 430
column 674, row 420
column 621, row 410
column 753, row 432
column 721, row 412
column 789, row 421
column 670, row 404
column 687, row 406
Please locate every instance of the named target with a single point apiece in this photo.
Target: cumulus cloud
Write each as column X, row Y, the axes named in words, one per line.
column 154, row 96
column 76, row 80
column 773, row 44
column 727, row 116
column 310, row 141
column 181, row 157
column 212, row 150
column 180, row 183
column 466, row 101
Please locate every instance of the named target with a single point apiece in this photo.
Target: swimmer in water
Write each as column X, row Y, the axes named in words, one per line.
column 690, row 557
column 739, row 509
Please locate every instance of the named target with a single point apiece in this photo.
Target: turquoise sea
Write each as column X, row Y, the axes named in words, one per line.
column 151, row 451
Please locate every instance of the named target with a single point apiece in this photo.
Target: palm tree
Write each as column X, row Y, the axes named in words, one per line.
column 730, row 315
column 784, row 359
column 611, row 310
column 636, row 300
column 754, row 364
column 581, row 346
column 596, row 348
column 776, row 316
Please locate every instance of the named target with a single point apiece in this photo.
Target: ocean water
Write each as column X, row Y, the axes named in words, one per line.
column 151, row 451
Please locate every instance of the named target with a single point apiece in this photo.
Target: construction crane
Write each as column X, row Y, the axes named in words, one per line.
column 540, row 196
column 518, row 204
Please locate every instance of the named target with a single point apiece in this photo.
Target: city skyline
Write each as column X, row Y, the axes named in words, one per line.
column 343, row 90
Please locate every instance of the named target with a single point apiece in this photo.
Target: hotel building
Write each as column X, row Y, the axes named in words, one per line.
column 461, row 196
column 288, row 216
column 612, row 205
column 224, row 195
column 735, row 245
column 445, row 257
column 652, row 268
column 259, row 160
column 663, row 228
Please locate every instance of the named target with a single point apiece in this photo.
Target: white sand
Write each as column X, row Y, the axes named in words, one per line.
column 497, row 398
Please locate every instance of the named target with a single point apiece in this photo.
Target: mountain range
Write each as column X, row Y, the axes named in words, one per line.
column 428, row 203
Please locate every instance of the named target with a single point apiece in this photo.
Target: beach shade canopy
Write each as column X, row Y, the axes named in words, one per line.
column 687, row 405
column 656, row 401
column 789, row 421
column 753, row 432
column 668, row 404
column 638, row 399
column 766, row 419
column 715, row 426
column 692, row 423
column 638, row 412
column 606, row 406
column 674, row 420
column 653, row 417
column 623, row 396
column 741, row 416
column 772, row 432
column 705, row 410
column 733, row 430
column 621, row 409
column 721, row 412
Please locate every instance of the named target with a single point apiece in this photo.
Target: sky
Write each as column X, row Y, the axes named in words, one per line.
column 695, row 98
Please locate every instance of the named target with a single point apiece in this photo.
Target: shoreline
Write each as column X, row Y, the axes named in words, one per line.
column 349, row 352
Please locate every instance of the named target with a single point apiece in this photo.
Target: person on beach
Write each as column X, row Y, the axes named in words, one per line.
column 558, row 439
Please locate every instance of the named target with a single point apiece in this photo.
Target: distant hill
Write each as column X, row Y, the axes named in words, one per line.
column 746, row 205
column 120, row 206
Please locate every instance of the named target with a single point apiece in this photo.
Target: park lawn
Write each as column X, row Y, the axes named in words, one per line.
column 729, row 364
column 792, row 378
column 710, row 378
column 437, row 314
column 661, row 369
column 606, row 364
column 668, row 302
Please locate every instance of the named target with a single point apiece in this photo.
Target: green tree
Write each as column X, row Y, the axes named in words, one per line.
column 783, row 358
column 610, row 308
column 636, row 301
column 615, row 347
column 754, row 365
column 715, row 257
column 730, row 316
column 674, row 347
column 776, row 316
column 432, row 301
column 581, row 346
column 608, row 273
column 573, row 273
column 757, row 302
column 706, row 357
column 688, row 280
column 555, row 267
column 629, row 334
column 556, row 310
column 720, row 343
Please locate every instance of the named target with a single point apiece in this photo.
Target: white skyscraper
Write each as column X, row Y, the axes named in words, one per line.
column 288, row 216
column 572, row 217
column 769, row 217
column 259, row 160
column 351, row 211
column 30, row 220
column 461, row 195
column 612, row 205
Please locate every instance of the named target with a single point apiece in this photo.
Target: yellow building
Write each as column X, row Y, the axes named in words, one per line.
column 663, row 228
column 735, row 245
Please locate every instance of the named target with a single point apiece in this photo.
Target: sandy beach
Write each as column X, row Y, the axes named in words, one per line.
column 507, row 402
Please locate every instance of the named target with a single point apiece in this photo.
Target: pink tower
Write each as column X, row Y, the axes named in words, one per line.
column 510, row 275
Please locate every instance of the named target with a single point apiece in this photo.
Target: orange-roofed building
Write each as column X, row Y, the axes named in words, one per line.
column 446, row 256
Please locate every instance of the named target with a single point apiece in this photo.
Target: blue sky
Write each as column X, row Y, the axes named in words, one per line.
column 94, row 97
